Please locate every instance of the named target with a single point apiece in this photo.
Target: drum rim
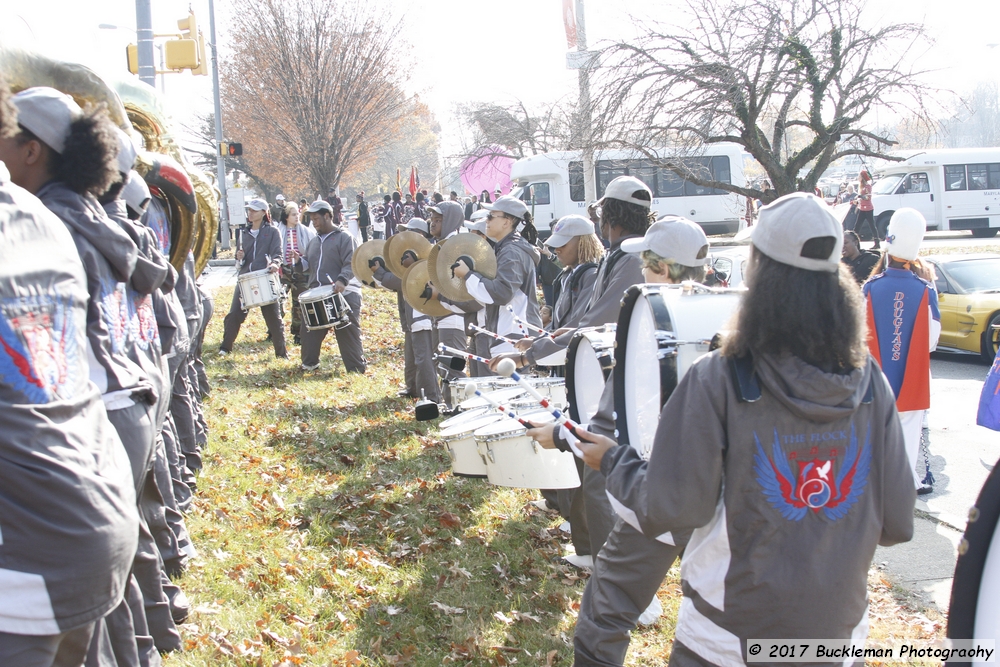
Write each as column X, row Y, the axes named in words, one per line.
column 313, row 289
column 571, row 349
column 515, row 425
column 457, row 435
column 661, row 319
column 970, row 566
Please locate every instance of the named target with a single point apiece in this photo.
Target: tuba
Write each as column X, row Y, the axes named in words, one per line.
column 135, row 107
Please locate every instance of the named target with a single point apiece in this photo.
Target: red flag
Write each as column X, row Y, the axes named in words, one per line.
column 413, row 181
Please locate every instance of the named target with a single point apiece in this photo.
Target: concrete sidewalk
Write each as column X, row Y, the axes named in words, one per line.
column 926, row 564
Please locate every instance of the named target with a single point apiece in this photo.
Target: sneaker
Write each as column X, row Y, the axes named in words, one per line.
column 652, row 613
column 924, row 489
column 564, row 527
column 541, row 504
column 223, row 353
column 310, row 368
column 297, row 340
column 582, row 562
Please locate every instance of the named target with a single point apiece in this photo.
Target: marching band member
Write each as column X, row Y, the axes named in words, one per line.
column 328, row 257
column 514, row 284
column 67, row 499
column 261, row 249
column 904, row 324
column 295, row 239
column 782, row 452
column 480, row 342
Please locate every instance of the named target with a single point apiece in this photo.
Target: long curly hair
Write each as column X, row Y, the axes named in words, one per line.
column 8, row 112
column 630, row 218
column 818, row 316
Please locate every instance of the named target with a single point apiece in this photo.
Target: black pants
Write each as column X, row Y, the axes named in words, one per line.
column 867, row 217
column 364, row 233
column 236, row 316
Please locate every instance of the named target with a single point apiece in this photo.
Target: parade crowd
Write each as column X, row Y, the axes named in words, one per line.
column 781, row 460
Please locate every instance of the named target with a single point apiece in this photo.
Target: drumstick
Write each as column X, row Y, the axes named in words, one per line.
column 465, row 355
column 494, row 335
column 472, row 389
column 508, row 368
column 521, row 324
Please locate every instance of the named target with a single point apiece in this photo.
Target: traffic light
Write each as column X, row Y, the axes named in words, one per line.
column 132, row 58
column 186, row 52
column 188, row 26
column 202, row 68
column 227, row 149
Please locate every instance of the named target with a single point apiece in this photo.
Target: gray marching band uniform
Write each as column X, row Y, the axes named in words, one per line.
column 721, row 466
column 68, row 516
column 418, row 366
column 259, row 252
column 329, row 261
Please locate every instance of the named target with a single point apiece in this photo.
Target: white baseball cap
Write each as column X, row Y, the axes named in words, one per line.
column 905, row 233
column 136, row 192
column 47, row 114
column 477, row 225
column 416, row 225
column 280, row 198
column 673, row 238
column 630, row 189
column 257, row 204
column 510, row 205
column 126, row 151
column 798, row 229
column 566, row 228
column 319, row 205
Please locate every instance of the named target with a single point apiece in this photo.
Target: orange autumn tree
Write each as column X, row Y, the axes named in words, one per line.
column 312, row 88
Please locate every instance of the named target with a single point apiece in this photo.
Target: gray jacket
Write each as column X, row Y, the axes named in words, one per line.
column 516, row 259
column 262, row 251
column 68, row 520
column 788, row 497
column 329, row 258
column 109, row 258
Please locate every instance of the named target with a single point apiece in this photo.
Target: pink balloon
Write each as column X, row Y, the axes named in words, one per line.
column 487, row 169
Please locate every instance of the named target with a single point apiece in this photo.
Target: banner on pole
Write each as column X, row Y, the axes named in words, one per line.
column 569, row 20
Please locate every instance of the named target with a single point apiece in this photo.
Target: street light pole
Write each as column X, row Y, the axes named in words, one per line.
column 589, row 182
column 220, row 162
column 144, row 39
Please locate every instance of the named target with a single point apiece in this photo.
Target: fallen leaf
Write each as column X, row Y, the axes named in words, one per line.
column 446, row 609
column 449, row 520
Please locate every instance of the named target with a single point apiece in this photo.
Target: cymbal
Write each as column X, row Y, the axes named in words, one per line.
column 432, row 264
column 476, row 251
column 399, row 244
column 359, row 262
column 414, row 283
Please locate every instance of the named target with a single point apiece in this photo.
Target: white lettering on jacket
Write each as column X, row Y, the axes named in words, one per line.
column 897, row 323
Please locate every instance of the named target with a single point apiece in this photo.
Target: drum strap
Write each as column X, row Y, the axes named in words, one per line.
column 748, row 386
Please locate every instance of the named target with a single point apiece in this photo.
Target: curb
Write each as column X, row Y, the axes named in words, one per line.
column 222, row 262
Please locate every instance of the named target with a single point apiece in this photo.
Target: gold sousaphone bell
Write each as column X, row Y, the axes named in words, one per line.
column 366, row 252
column 417, row 291
column 397, row 247
column 475, row 251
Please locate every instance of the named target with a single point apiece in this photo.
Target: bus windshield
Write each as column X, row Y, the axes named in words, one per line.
column 886, row 186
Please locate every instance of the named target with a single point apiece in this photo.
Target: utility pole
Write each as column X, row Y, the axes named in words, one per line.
column 220, row 162
column 586, row 122
column 144, row 41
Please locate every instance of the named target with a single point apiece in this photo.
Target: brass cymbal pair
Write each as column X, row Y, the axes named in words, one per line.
column 366, row 252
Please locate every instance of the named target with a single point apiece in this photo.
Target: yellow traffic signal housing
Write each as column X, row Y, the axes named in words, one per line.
column 202, row 68
column 188, row 26
column 181, row 53
column 132, row 58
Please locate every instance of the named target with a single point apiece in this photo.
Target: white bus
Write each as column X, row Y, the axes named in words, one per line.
column 955, row 188
column 552, row 184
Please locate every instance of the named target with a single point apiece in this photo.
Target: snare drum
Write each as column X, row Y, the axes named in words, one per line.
column 589, row 360
column 461, row 444
column 503, row 396
column 322, row 308
column 515, row 460
column 259, row 288
column 462, row 416
column 673, row 324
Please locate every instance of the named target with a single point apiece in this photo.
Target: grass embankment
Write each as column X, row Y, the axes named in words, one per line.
column 332, row 533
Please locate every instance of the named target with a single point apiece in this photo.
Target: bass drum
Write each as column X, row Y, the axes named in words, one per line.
column 974, row 610
column 589, row 360
column 673, row 325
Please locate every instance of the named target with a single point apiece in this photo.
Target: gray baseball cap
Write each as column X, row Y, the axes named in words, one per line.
column 319, row 205
column 416, row 225
column 673, row 238
column 566, row 228
column 47, row 114
column 257, row 204
column 798, row 229
column 630, row 189
column 510, row 205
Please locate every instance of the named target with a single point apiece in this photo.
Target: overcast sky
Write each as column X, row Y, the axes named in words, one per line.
column 473, row 50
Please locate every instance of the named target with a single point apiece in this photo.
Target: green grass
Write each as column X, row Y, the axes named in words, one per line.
column 331, row 531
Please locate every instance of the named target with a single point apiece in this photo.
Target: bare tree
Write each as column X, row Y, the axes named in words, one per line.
column 316, row 81
column 755, row 73
column 516, row 128
column 976, row 121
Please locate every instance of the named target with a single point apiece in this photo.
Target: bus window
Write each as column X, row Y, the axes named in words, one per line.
column 995, row 176
column 721, row 172
column 645, row 172
column 537, row 194
column 577, row 190
column 978, row 178
column 954, row 177
column 669, row 184
column 915, row 183
column 607, row 171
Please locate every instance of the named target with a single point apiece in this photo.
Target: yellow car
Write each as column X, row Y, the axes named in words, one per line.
column 968, row 289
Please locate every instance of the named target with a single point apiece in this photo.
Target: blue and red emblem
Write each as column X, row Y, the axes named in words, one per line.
column 39, row 351
column 815, row 487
